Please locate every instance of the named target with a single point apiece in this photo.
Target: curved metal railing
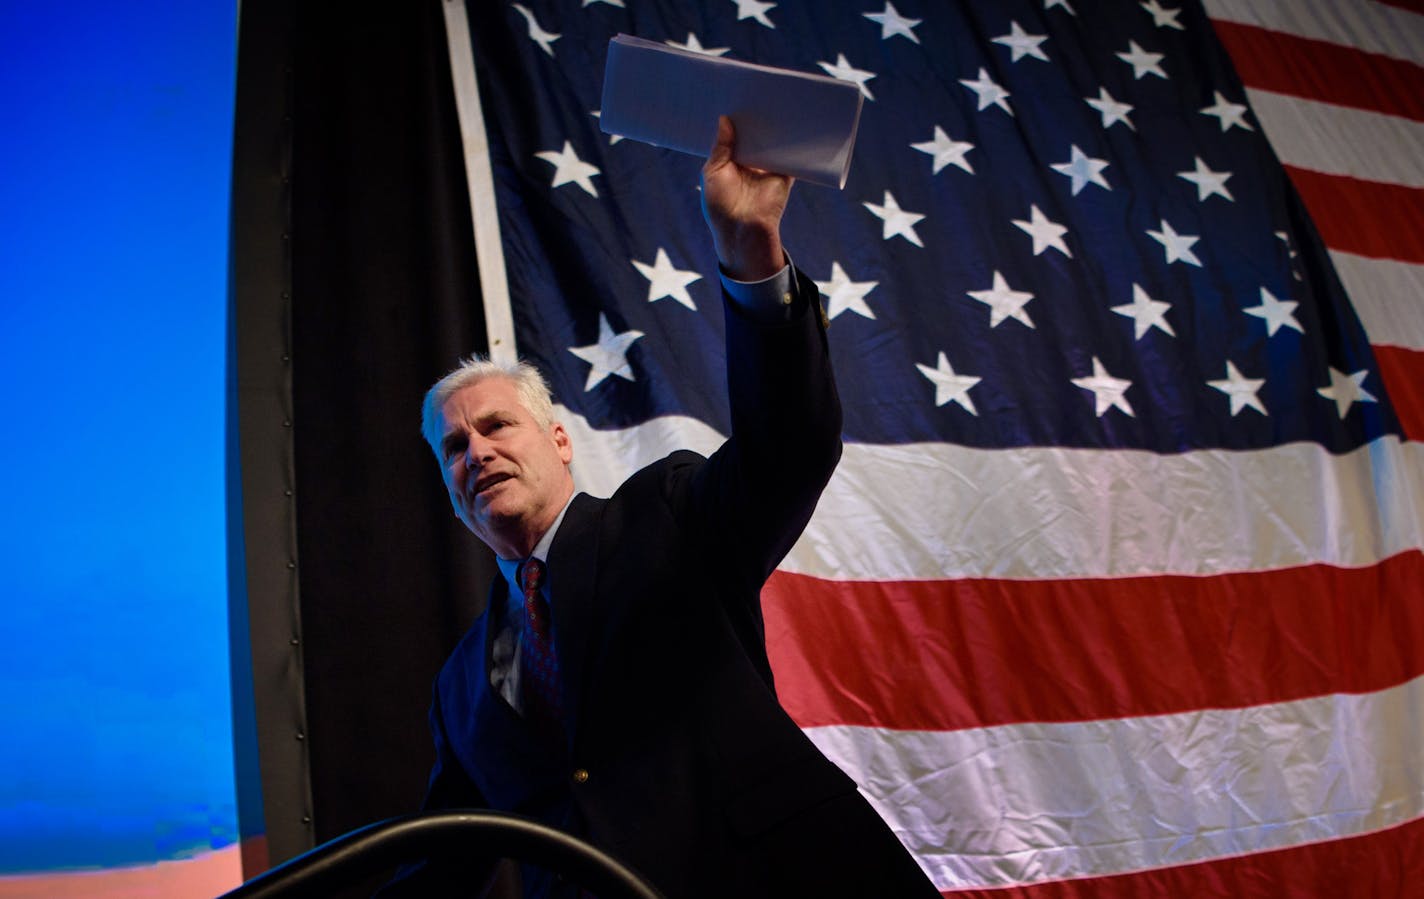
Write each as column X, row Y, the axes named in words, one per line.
column 385, row 844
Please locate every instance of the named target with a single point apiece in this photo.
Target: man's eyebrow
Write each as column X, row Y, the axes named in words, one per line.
column 492, row 415
column 457, row 436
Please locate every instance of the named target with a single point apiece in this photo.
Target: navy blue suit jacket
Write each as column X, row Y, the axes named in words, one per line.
column 677, row 757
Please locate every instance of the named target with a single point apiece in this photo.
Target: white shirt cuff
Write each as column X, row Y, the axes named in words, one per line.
column 766, row 299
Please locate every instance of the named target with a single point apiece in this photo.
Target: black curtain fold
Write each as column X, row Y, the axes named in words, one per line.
column 385, row 300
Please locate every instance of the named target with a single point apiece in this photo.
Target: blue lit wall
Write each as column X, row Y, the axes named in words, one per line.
column 115, row 142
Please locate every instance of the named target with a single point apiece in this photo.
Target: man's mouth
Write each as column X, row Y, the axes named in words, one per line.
column 488, row 481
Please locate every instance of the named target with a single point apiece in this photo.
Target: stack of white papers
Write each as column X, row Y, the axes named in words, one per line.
column 790, row 122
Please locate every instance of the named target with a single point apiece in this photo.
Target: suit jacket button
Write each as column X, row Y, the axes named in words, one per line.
column 580, row 775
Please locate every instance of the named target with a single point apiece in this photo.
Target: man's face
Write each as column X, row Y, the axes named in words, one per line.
column 508, row 478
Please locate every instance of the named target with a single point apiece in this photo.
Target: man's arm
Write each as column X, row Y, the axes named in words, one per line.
column 756, row 493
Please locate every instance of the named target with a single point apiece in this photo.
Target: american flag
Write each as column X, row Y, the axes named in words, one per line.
column 1117, row 589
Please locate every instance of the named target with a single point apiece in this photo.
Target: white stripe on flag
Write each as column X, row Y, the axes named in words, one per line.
column 1339, row 140
column 1028, row 803
column 1372, row 27
column 1388, row 295
column 1046, row 512
column 1049, row 512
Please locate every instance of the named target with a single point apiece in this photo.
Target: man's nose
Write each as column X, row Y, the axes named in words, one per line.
column 478, row 451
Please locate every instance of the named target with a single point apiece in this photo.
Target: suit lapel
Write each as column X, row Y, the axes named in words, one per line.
column 573, row 573
column 513, row 765
column 494, row 622
column 494, row 713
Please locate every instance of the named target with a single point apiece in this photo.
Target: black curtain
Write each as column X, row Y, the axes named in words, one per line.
column 385, row 300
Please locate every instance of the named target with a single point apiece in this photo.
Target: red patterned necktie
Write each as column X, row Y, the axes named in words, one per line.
column 539, row 674
column 539, row 667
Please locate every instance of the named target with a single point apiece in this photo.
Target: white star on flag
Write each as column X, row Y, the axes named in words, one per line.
column 1163, row 17
column 1049, row 4
column 1227, row 114
column 1178, row 247
column 694, row 45
column 666, row 281
column 612, row 138
column 609, row 356
column 1276, row 313
column 1346, row 390
column 754, row 9
column 1142, row 62
column 1207, row 181
column 1290, row 254
column 990, row 94
column 569, row 169
column 1083, row 169
column 950, row 387
column 845, row 295
column 536, row 34
column 844, row 71
column 1004, row 302
column 1022, row 43
column 1045, row 233
column 946, row 151
column 1107, row 390
column 897, row 220
column 1242, row 391
column 1111, row 110
column 892, row 23
column 1146, row 313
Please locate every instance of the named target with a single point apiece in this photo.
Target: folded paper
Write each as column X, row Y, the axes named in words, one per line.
column 790, row 122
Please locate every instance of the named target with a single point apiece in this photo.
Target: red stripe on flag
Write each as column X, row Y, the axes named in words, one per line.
column 944, row 655
column 1411, row 5
column 1319, row 70
column 1402, row 371
column 1351, row 214
column 1383, row 863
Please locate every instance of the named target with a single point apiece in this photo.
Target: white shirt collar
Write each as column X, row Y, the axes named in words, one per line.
column 510, row 567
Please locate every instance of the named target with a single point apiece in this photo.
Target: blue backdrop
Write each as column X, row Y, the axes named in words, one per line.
column 115, row 143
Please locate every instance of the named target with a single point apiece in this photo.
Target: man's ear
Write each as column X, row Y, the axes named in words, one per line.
column 562, row 442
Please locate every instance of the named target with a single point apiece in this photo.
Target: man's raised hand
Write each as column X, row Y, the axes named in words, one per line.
column 743, row 208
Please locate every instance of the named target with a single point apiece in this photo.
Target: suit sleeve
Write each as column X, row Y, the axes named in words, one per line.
column 754, row 496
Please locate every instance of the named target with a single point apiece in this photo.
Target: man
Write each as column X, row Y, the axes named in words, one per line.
column 618, row 685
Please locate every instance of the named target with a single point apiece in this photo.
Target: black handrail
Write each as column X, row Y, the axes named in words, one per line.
column 385, row 844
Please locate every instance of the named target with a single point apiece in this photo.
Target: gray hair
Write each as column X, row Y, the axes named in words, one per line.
column 529, row 384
